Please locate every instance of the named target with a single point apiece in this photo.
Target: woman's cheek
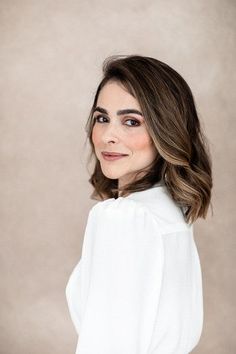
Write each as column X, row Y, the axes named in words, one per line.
column 95, row 137
column 140, row 142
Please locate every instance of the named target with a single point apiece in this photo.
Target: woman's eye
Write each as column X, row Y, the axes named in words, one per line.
column 133, row 120
column 96, row 119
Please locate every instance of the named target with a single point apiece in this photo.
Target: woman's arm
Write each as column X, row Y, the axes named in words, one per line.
column 122, row 261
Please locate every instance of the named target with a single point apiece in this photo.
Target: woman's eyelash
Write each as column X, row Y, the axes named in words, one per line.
column 96, row 119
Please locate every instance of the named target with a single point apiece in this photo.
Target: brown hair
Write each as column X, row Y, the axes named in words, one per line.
column 183, row 161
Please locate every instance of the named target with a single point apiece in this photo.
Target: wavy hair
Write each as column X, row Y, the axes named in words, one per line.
column 183, row 161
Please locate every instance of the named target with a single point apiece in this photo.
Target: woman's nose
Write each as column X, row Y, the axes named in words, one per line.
column 111, row 133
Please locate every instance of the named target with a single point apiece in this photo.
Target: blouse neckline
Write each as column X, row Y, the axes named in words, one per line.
column 159, row 184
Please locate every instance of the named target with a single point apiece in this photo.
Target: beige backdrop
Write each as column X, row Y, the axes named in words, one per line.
column 50, row 64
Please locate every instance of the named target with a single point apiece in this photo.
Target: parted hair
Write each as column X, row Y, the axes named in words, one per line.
column 183, row 160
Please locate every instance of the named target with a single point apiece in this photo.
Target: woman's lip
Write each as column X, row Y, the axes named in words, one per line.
column 112, row 157
column 112, row 154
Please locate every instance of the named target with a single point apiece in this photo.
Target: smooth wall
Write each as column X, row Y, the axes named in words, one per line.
column 51, row 54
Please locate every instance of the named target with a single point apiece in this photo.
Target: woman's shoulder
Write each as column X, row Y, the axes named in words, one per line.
column 155, row 203
column 120, row 205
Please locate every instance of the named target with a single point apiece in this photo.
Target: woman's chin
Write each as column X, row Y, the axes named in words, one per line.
column 110, row 175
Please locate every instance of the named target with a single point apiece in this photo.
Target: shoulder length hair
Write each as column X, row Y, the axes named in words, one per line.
column 183, row 160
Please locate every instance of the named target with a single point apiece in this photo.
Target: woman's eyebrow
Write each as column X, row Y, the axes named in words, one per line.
column 120, row 112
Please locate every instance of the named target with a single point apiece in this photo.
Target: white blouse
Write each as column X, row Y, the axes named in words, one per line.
column 137, row 288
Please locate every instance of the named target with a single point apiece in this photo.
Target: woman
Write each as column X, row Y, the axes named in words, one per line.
column 137, row 288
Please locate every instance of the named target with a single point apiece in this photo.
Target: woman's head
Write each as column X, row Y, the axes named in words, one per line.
column 120, row 127
column 166, row 144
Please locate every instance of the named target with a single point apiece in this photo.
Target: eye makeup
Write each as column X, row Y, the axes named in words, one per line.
column 137, row 122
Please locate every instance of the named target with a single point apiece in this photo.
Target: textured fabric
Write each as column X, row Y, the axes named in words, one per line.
column 137, row 288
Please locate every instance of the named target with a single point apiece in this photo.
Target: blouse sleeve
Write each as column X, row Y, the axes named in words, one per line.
column 122, row 260
column 73, row 295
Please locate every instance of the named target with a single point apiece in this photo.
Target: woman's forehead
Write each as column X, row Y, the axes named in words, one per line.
column 115, row 94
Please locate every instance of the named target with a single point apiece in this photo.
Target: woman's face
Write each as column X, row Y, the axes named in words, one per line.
column 121, row 132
